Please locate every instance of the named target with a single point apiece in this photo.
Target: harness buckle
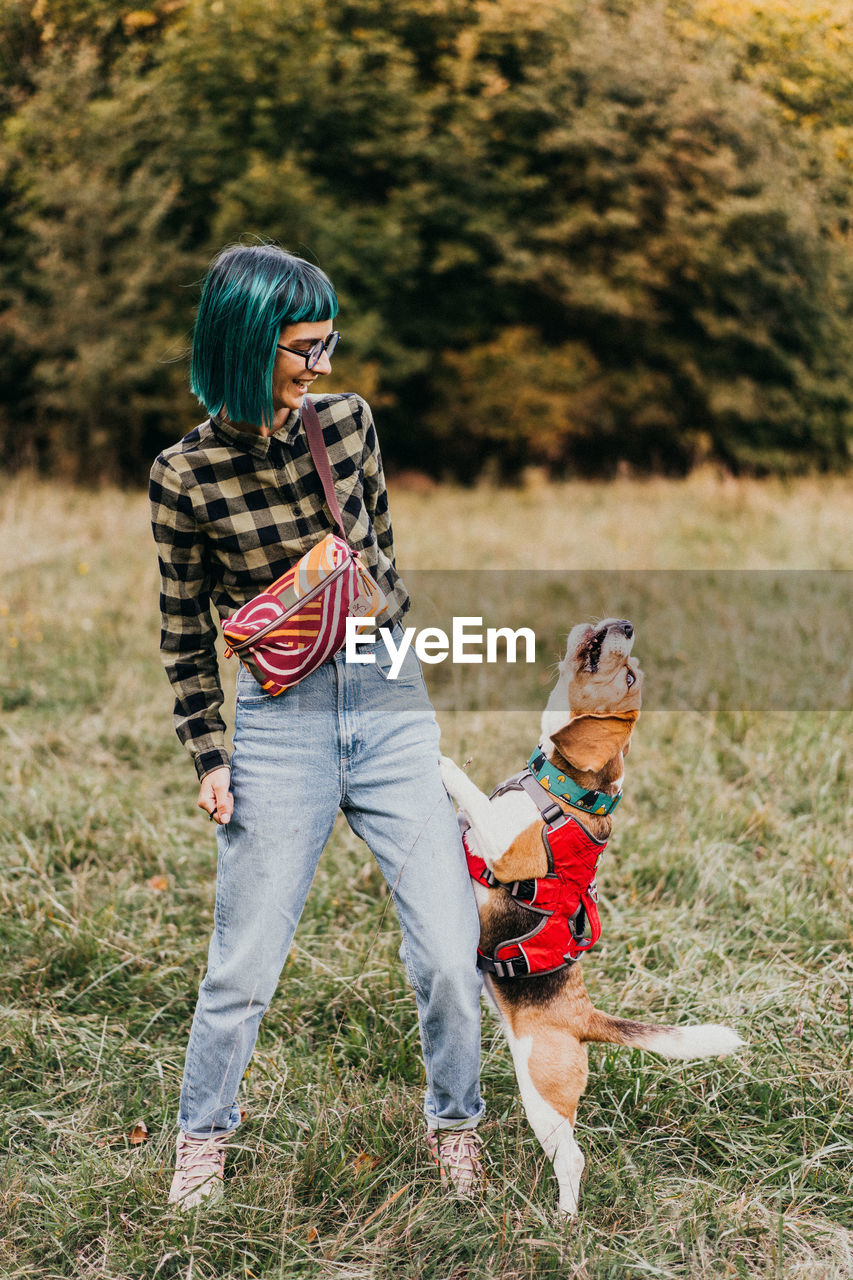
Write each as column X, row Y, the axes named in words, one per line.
column 552, row 815
column 517, row 967
column 521, row 890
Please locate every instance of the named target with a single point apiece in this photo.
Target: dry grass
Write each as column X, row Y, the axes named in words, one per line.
column 707, row 520
column 727, row 894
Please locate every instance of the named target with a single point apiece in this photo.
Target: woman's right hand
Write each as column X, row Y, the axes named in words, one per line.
column 215, row 795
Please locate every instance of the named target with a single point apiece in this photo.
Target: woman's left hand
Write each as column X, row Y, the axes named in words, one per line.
column 215, row 795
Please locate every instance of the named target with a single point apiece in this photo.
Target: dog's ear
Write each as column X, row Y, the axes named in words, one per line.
column 588, row 742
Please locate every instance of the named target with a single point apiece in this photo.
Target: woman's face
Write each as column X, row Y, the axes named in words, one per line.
column 290, row 378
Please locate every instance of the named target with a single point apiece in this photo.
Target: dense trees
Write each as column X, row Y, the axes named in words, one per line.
column 564, row 233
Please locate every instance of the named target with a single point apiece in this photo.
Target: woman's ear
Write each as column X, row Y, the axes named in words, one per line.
column 588, row 742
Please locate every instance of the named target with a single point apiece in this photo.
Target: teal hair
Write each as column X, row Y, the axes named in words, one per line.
column 249, row 292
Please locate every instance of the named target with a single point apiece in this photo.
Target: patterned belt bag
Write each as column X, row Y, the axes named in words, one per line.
column 287, row 631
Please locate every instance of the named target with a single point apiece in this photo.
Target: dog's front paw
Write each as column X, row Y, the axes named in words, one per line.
column 450, row 772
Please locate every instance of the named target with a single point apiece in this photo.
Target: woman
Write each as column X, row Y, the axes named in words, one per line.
column 234, row 504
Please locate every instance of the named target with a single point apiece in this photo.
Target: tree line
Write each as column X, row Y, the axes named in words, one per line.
column 571, row 233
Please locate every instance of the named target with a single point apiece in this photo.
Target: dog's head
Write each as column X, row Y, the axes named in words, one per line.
column 602, row 685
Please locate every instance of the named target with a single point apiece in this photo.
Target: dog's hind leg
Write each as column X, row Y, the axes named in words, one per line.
column 551, row 1066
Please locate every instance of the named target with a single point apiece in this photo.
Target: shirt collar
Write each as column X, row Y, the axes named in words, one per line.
column 250, row 441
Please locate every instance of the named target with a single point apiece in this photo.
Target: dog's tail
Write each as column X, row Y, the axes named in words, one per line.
column 707, row 1040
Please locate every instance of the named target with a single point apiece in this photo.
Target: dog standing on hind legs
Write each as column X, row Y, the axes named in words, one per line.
column 532, row 848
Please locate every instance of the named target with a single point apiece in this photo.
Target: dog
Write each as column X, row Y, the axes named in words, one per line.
column 536, row 900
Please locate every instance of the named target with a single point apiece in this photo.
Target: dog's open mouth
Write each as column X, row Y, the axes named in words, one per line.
column 620, row 636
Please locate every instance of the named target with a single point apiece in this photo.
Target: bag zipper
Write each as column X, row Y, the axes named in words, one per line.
column 295, row 608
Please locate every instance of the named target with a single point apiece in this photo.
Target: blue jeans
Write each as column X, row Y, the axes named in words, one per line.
column 349, row 738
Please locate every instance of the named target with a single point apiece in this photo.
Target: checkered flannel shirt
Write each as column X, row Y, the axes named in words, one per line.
column 231, row 512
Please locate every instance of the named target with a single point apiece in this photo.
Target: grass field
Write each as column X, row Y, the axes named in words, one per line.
column 726, row 895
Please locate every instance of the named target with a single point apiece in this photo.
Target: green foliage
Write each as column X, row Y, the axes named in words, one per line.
column 98, row 284
column 567, row 234
column 650, row 208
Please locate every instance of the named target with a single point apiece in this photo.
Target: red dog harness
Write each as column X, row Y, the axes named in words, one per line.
column 565, row 898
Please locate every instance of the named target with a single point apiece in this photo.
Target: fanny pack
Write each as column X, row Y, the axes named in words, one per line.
column 299, row 622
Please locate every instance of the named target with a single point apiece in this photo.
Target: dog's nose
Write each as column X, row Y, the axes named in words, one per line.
column 627, row 630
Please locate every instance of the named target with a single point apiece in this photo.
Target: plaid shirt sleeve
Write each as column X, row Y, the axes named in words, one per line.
column 375, row 496
column 188, row 631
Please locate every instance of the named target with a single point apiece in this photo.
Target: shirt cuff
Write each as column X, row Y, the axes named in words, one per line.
column 206, row 761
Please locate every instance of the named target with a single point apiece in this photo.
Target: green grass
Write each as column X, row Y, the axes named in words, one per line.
column 726, row 896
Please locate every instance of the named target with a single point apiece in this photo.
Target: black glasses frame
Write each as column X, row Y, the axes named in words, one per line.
column 314, row 352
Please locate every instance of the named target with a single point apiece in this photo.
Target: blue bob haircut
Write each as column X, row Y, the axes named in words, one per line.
column 249, row 293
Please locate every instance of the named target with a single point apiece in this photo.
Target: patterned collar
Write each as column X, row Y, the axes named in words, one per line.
column 252, row 441
column 560, row 784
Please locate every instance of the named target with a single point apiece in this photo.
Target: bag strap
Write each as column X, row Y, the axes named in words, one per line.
column 317, row 445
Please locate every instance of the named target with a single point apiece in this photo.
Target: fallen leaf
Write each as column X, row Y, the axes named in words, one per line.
column 138, row 1134
column 158, row 884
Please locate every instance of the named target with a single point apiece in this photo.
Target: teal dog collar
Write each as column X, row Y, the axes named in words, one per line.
column 560, row 784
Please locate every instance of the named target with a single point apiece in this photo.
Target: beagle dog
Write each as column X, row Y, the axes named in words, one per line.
column 535, row 898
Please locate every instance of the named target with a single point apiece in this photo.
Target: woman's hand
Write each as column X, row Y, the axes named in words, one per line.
column 215, row 795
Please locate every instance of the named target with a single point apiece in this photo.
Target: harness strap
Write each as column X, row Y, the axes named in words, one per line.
column 549, row 810
column 510, row 959
column 525, row 781
column 515, row 968
column 545, row 803
column 511, row 784
column 564, row 899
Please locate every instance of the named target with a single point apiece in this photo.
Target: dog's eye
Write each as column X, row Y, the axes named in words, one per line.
column 630, row 677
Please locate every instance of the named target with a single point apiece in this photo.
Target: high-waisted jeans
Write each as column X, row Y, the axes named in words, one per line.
column 348, row 737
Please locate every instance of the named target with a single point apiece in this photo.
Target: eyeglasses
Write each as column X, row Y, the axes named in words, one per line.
column 314, row 352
